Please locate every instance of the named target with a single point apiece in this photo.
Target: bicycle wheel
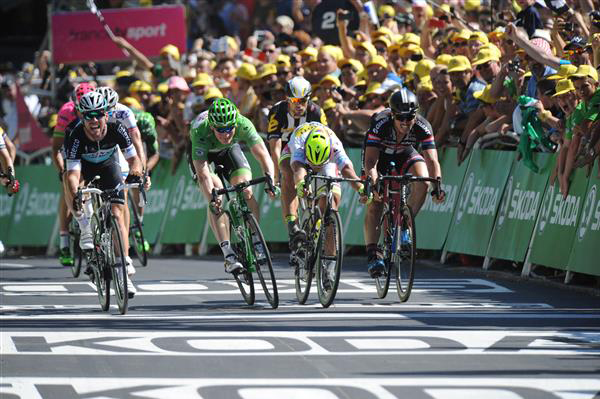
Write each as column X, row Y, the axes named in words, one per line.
column 305, row 255
column 382, row 283
column 405, row 253
column 75, row 250
column 327, row 281
column 244, row 279
column 118, row 266
column 136, row 234
column 264, row 265
column 100, row 266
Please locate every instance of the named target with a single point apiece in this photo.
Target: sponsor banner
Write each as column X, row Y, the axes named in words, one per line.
column 6, row 211
column 433, row 220
column 557, row 223
column 30, row 134
column 79, row 36
column 35, row 206
column 587, row 235
column 478, row 201
column 186, row 210
column 519, row 209
column 157, row 200
column 353, row 217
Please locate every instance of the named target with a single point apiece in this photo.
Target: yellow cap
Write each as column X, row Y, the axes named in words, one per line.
column 472, row 5
column 336, row 52
column 232, row 43
column 265, row 70
column 162, row 88
column 330, row 78
column 122, row 73
column 479, row 36
column 386, row 9
column 374, row 88
column 459, row 63
column 495, row 50
column 485, row 95
column 565, row 71
column 410, row 49
column 140, row 86
column 585, row 71
column 411, row 38
column 368, row 46
column 443, row 59
column 356, row 64
column 283, row 60
column 212, row 92
column 408, row 67
column 170, row 50
column 378, row 60
column 203, row 79
column 131, row 103
column 51, row 123
column 245, row 71
column 383, row 31
column 384, row 40
column 328, row 104
column 360, row 83
column 309, row 51
column 423, row 68
column 483, row 56
column 425, row 84
column 497, row 33
column 563, row 86
column 464, row 34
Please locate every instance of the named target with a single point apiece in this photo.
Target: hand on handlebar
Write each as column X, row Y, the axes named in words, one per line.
column 438, row 194
column 272, row 190
column 364, row 198
column 147, row 183
column 215, row 206
column 301, row 190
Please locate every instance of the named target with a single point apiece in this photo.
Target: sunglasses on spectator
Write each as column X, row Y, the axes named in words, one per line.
column 298, row 100
column 460, row 44
column 381, row 49
column 88, row 116
column 486, row 65
column 224, row 130
column 404, row 117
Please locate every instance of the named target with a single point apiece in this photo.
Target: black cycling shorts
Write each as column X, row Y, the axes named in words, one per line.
column 403, row 160
column 233, row 160
column 110, row 177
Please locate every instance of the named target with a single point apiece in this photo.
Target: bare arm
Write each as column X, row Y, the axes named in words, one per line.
column 57, row 158
column 135, row 53
column 259, row 150
column 345, row 41
column 521, row 39
column 136, row 138
column 371, row 160
column 275, row 146
column 433, row 165
column 71, row 182
column 205, row 181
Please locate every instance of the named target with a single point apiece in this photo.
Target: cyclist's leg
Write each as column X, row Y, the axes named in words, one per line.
column 64, row 218
column 414, row 163
column 237, row 170
column 289, row 202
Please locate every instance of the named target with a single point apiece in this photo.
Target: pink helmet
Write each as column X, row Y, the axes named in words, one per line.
column 81, row 89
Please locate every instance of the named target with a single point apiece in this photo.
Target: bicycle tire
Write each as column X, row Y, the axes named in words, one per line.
column 137, row 239
column 264, row 264
column 405, row 254
column 327, row 294
column 382, row 283
column 304, row 269
column 98, row 260
column 244, row 279
column 75, row 250
column 118, row 267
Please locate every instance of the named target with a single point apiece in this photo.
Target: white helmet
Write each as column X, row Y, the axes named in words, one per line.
column 92, row 101
column 298, row 87
column 111, row 96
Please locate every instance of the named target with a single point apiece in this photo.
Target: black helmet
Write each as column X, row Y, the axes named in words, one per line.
column 404, row 102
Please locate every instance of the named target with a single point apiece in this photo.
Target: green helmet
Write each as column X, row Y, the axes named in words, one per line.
column 222, row 113
column 317, row 147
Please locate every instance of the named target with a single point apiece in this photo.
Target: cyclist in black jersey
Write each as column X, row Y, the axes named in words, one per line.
column 284, row 117
column 92, row 149
column 393, row 137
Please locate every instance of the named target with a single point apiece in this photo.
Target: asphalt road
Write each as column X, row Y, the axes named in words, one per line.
column 188, row 334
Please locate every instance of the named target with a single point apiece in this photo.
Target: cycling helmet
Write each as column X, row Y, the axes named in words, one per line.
column 92, row 101
column 111, row 96
column 404, row 102
column 222, row 113
column 298, row 87
column 318, row 146
column 80, row 90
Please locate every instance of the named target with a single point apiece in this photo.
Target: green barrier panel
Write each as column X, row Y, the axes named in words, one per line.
column 186, row 211
column 587, row 237
column 433, row 220
column 478, row 202
column 519, row 209
column 6, row 211
column 354, row 217
column 36, row 206
column 157, row 200
column 557, row 223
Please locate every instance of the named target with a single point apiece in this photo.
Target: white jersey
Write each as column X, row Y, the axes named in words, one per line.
column 337, row 157
column 199, row 119
column 122, row 113
column 2, row 143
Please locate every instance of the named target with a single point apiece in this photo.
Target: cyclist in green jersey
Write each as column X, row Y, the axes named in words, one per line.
column 216, row 140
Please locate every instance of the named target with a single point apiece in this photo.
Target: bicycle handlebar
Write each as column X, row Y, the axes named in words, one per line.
column 241, row 186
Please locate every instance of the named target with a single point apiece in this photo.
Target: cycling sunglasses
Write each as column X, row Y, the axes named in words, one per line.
column 88, row 116
column 404, row 117
column 298, row 100
column 224, row 130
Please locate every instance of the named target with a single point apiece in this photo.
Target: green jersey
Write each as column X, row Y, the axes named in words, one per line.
column 204, row 140
column 147, row 126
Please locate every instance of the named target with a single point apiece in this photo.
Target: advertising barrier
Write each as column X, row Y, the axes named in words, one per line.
column 148, row 29
column 433, row 220
column 478, row 202
column 157, row 200
column 519, row 209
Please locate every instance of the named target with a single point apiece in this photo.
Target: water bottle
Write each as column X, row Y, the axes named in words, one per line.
column 369, row 8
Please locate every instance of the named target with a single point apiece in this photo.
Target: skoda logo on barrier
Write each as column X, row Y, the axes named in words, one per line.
column 505, row 203
column 21, row 204
column 586, row 214
column 464, row 197
column 177, row 196
column 546, row 207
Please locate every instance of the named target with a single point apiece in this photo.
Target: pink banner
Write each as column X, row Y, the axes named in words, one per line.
column 79, row 37
column 30, row 134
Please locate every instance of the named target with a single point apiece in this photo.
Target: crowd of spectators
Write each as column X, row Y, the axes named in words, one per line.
column 524, row 71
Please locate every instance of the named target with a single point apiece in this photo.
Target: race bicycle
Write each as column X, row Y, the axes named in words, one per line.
column 136, row 232
column 398, row 238
column 107, row 264
column 74, row 249
column 248, row 241
column 323, row 235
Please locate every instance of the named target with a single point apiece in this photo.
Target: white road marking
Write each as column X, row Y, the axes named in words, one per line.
column 445, row 393
column 288, row 393
column 7, row 265
column 564, row 388
column 35, row 288
column 387, row 344
column 171, row 287
column 231, row 344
